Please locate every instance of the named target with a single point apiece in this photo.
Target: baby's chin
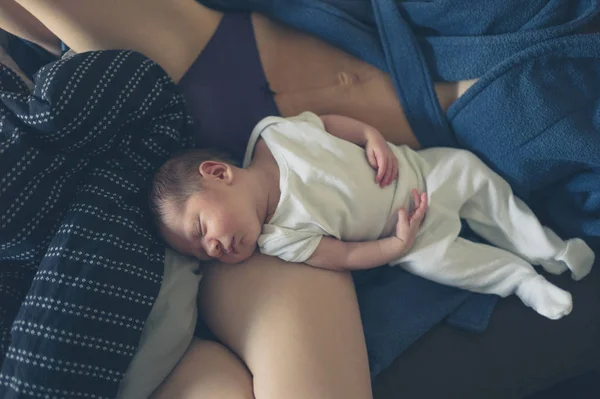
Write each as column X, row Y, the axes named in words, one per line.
column 235, row 259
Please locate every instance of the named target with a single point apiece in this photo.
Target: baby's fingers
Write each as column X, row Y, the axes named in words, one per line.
column 424, row 202
column 403, row 226
column 382, row 168
column 372, row 159
column 416, row 198
column 402, row 215
column 419, row 213
column 389, row 173
column 392, row 171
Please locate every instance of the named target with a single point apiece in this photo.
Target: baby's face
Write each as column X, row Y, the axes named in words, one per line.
column 215, row 223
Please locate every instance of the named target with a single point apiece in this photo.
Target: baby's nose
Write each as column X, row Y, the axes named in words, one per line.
column 215, row 249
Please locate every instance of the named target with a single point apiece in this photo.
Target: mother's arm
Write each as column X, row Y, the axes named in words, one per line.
column 18, row 21
column 172, row 33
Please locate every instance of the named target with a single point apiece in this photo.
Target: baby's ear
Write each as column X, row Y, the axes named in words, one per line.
column 217, row 170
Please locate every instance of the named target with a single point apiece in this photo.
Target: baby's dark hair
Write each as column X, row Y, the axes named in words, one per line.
column 177, row 179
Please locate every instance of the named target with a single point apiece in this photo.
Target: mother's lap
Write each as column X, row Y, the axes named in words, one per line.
column 268, row 311
column 260, row 281
column 224, row 376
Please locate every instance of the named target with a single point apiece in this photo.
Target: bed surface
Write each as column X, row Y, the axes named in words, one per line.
column 520, row 353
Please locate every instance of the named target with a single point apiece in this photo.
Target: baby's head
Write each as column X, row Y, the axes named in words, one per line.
column 200, row 206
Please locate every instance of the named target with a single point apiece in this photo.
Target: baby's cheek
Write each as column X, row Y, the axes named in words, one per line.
column 248, row 253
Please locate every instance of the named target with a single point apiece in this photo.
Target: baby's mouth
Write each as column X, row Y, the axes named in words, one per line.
column 232, row 246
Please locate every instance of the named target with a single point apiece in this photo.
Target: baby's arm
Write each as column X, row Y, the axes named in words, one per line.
column 379, row 154
column 349, row 129
column 334, row 254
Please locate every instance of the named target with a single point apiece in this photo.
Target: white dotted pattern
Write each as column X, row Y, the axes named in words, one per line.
column 79, row 269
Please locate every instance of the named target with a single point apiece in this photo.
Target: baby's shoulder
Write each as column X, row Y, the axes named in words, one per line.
column 261, row 150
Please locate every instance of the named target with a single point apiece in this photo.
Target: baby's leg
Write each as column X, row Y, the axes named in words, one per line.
column 503, row 219
column 492, row 211
column 486, row 269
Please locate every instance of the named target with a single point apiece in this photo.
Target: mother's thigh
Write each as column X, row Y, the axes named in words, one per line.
column 207, row 370
column 297, row 328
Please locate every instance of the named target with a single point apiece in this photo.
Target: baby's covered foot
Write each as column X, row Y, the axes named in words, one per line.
column 545, row 298
column 577, row 257
column 552, row 266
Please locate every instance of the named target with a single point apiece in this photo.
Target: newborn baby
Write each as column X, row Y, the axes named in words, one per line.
column 307, row 193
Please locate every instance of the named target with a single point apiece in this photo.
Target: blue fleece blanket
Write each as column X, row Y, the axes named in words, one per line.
column 533, row 117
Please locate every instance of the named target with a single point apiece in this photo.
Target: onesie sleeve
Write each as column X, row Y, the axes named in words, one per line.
column 289, row 245
column 309, row 117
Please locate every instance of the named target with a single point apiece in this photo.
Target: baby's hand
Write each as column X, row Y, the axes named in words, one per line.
column 408, row 225
column 381, row 158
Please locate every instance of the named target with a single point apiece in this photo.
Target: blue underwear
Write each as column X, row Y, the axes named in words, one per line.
column 226, row 90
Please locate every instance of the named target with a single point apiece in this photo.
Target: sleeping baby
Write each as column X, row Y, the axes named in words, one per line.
column 325, row 191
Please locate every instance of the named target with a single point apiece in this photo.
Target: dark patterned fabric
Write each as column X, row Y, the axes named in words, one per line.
column 79, row 267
